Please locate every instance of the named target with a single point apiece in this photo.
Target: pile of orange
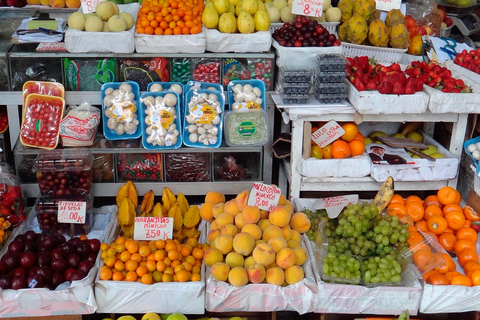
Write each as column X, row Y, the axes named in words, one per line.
column 153, row 261
column 167, row 17
column 442, row 217
column 350, row 144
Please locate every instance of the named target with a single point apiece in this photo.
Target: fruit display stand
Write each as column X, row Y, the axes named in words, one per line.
column 288, row 57
column 194, row 43
column 262, row 297
column 124, row 296
column 224, row 42
column 298, row 117
column 120, row 42
column 356, row 299
column 76, row 298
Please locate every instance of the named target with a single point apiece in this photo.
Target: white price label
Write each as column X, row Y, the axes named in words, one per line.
column 311, row 8
column 334, row 205
column 387, row 5
column 264, row 196
column 72, row 212
column 89, row 6
column 328, row 133
column 153, row 228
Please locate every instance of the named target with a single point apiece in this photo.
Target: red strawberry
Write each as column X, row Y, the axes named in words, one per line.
column 398, row 88
column 371, row 85
column 384, row 87
column 358, row 84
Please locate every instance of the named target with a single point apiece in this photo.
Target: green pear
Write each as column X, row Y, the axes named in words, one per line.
column 437, row 155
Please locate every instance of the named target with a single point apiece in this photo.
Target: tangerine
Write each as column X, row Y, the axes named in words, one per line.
column 455, row 219
column 432, row 210
column 413, row 199
column 351, row 131
column 397, row 199
column 432, row 200
column 461, row 245
column 357, row 147
column 341, row 149
column 467, row 233
column 467, row 254
column 471, row 214
column 461, row 280
column 447, row 195
column 327, row 152
column 447, row 241
column 437, row 279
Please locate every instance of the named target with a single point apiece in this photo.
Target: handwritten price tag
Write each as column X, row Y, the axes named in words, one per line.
column 89, row 5
column 334, row 205
column 153, row 228
column 72, row 212
column 328, row 133
column 311, row 8
column 264, row 196
column 387, row 5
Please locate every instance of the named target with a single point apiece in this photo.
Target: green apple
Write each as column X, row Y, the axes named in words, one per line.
column 316, row 152
column 415, row 136
column 437, row 155
column 177, row 316
column 375, row 134
column 431, row 150
column 368, row 140
column 151, row 316
column 399, row 135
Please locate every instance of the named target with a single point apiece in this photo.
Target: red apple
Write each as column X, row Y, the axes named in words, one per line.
column 442, row 13
column 448, row 21
column 422, row 31
column 429, row 30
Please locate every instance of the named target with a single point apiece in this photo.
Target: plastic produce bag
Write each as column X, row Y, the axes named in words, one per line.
column 426, row 14
column 79, row 126
column 138, row 167
column 88, row 74
column 12, row 202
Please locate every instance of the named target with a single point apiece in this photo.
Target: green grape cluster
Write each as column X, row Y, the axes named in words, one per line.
column 341, row 266
column 381, row 270
column 316, row 218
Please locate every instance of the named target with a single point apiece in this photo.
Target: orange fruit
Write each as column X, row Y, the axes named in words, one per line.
column 467, row 254
column 432, row 210
column 475, row 277
column 327, row 152
column 415, row 210
column 341, row 149
column 451, row 207
column 396, row 209
column 437, row 224
column 447, row 264
column 471, row 214
column 357, row 147
column 467, row 233
column 197, row 253
column 351, row 131
column 421, row 226
column 455, row 219
column 360, row 137
column 449, row 275
column 437, row 279
column 447, row 195
column 117, row 276
column 413, row 199
column 131, row 276
column 397, row 199
column 106, row 273
column 461, row 245
column 447, row 241
column 470, row 266
column 423, row 259
column 432, row 200
column 131, row 245
column 461, row 280
column 131, row 265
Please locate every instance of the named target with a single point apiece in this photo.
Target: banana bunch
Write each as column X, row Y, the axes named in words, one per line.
column 127, row 201
column 185, row 217
column 384, row 194
column 410, row 127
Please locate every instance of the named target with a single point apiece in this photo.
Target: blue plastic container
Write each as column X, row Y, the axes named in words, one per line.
column 186, row 140
column 177, row 121
column 465, row 146
column 111, row 134
column 255, row 83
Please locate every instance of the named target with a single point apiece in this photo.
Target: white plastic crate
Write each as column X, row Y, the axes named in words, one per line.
column 382, row 55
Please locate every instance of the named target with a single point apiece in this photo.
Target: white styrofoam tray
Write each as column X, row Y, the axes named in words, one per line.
column 475, row 77
column 262, row 297
column 217, row 41
column 423, row 169
column 322, row 168
column 77, row 41
column 136, row 297
column 373, row 102
column 441, row 102
column 381, row 54
column 76, row 298
column 192, row 43
column 355, row 299
column 289, row 56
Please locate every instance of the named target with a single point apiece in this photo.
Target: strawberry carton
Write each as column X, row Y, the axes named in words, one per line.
column 373, row 86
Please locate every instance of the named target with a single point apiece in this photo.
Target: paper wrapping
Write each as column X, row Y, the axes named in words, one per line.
column 193, row 43
column 289, row 56
column 423, row 169
column 237, row 42
column 77, row 298
column 373, row 102
column 77, row 41
column 322, row 168
column 446, row 299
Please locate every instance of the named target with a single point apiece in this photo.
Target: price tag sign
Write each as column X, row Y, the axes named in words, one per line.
column 311, row 8
column 153, row 228
column 264, row 196
column 89, row 5
column 334, row 205
column 387, row 5
column 328, row 133
column 72, row 212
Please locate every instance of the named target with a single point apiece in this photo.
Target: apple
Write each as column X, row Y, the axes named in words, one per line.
column 27, row 259
column 77, row 275
column 68, row 273
column 429, row 30
column 448, row 21
column 58, row 264
column 73, row 260
column 442, row 13
column 94, row 244
column 443, row 25
column 16, row 246
column 316, row 152
column 30, row 235
column 85, row 266
column 422, row 31
column 19, row 282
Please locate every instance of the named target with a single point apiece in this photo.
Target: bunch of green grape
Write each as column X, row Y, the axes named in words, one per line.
column 381, row 270
column 341, row 267
column 316, row 218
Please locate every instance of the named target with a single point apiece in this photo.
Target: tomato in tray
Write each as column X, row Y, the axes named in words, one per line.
column 40, row 121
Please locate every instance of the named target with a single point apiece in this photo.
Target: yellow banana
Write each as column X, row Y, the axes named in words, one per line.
column 410, row 127
column 384, row 194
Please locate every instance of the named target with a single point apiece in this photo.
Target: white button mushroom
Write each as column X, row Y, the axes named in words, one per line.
column 125, row 87
column 247, row 88
column 176, row 88
column 120, row 129
column 170, row 100
column 111, row 123
column 156, row 87
column 257, row 92
column 108, row 91
column 193, row 137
